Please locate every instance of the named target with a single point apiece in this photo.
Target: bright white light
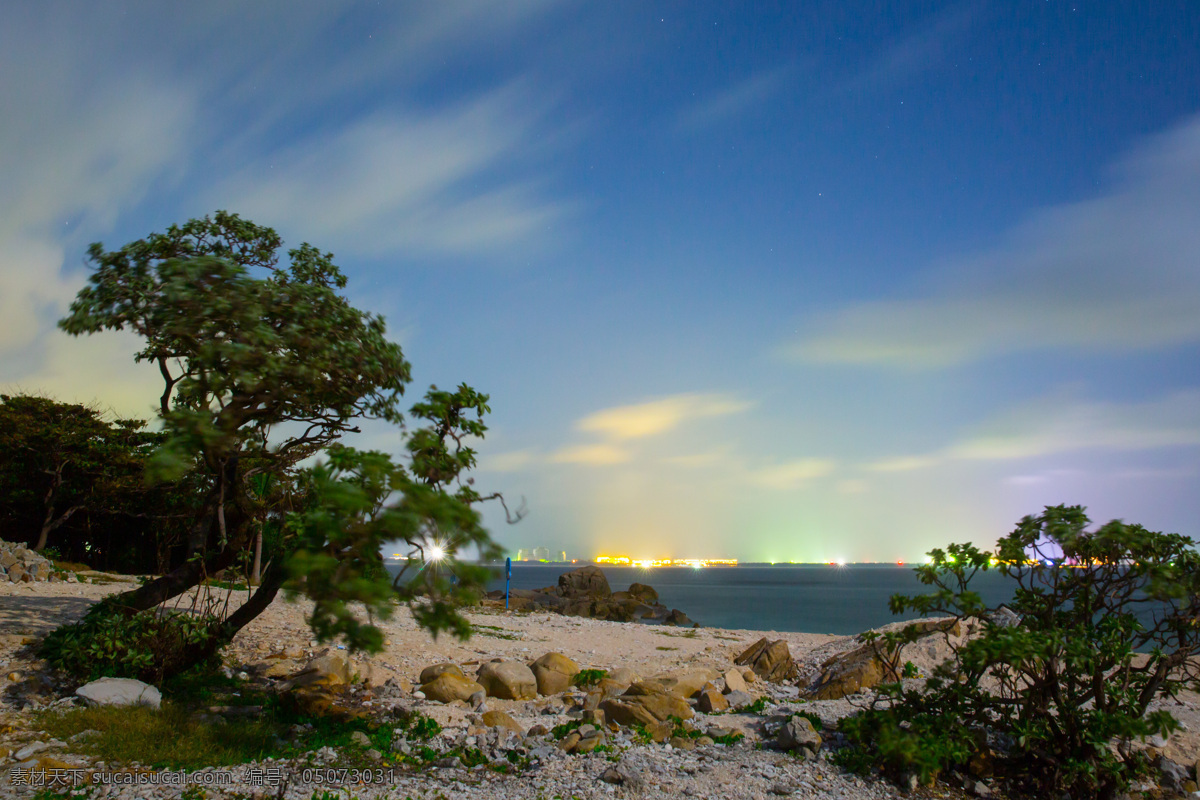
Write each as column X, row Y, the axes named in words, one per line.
column 841, row 562
column 436, row 552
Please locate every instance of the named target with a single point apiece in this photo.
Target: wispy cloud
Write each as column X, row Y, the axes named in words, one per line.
column 732, row 101
column 1054, row 425
column 591, row 454
column 916, row 51
column 1114, row 273
column 659, row 416
column 416, row 181
column 791, row 474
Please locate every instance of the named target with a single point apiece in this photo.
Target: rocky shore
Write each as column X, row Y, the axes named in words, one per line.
column 677, row 713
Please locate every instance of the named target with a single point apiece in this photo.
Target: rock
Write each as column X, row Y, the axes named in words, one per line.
column 586, row 581
column 331, row 669
column 501, row 719
column 711, row 700
column 643, row 593
column 1004, row 617
column 799, row 733
column 429, row 674
column 621, row 775
column 508, row 680
column 848, row 673
column 594, row 716
column 119, row 692
column 734, row 682
column 588, row 743
column 569, row 741
column 680, row 619
column 645, row 703
column 782, row 789
column 1171, row 774
column 683, row 682
column 478, row 701
column 29, row 749
column 553, row 673
column 739, row 699
column 359, row 738
column 448, row 687
column 771, row 661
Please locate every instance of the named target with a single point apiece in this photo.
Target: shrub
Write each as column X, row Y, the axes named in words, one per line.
column 1056, row 689
column 149, row 646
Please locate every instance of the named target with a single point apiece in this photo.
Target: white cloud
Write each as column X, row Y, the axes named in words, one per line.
column 791, row 474
column 1114, row 273
column 659, row 416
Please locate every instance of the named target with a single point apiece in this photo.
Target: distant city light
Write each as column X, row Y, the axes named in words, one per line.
column 647, row 563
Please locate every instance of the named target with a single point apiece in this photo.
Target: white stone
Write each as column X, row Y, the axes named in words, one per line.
column 119, row 692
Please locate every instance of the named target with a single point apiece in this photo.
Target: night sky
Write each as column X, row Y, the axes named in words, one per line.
column 773, row 281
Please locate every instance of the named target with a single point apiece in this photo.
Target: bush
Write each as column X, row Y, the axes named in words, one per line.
column 1105, row 622
column 149, row 646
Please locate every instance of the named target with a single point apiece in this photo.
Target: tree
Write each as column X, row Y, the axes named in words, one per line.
column 60, row 459
column 260, row 373
column 1103, row 626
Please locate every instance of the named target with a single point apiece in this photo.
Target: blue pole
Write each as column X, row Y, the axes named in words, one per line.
column 507, row 580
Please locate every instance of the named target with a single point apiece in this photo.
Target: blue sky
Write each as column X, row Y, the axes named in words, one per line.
column 767, row 281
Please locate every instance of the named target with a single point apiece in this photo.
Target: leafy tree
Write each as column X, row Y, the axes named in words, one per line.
column 260, row 373
column 1062, row 688
column 60, row 459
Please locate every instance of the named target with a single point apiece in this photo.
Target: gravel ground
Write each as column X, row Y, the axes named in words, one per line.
column 751, row 768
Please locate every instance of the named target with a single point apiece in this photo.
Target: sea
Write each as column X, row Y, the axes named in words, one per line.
column 810, row 598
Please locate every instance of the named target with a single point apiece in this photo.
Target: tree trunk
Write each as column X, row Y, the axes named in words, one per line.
column 256, row 572
column 272, row 580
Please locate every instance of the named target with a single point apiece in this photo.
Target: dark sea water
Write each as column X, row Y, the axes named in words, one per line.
column 809, row 598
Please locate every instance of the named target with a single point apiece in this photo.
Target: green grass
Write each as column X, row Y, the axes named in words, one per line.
column 168, row 738
column 173, row 738
column 688, row 634
column 589, row 677
column 496, row 632
column 666, row 648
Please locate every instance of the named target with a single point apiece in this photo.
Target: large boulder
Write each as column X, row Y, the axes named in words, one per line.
column 645, row 702
column 643, row 593
column 684, row 682
column 771, row 661
column 431, row 673
column 448, row 687
column 586, row 581
column 848, row 673
column 508, row 680
column 553, row 673
column 119, row 692
column 329, row 669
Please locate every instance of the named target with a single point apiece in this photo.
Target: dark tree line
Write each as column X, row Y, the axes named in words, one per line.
column 74, row 482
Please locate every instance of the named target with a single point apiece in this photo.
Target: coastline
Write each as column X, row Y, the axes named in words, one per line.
column 280, row 636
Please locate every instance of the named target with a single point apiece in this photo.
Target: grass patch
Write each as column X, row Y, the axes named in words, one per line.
column 176, row 737
column 660, row 647
column 166, row 738
column 589, row 677
column 496, row 632
column 688, row 634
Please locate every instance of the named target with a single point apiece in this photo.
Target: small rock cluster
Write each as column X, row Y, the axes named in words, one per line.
column 585, row 592
column 19, row 564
